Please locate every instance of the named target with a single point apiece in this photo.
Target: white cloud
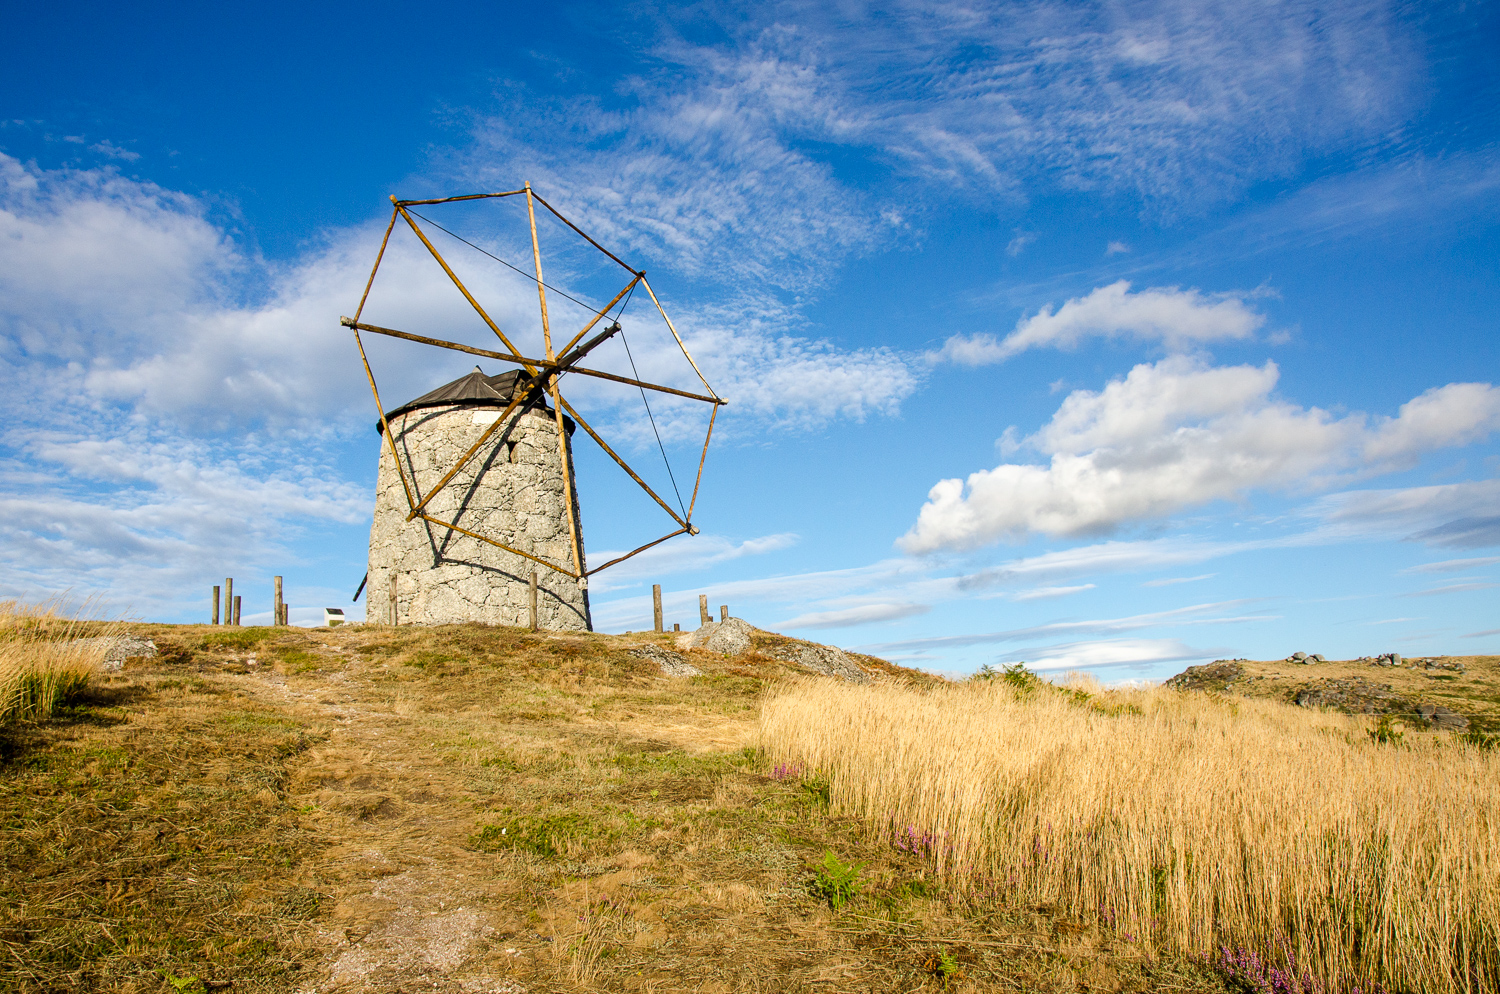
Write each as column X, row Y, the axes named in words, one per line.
column 1178, row 319
column 1456, row 414
column 865, row 614
column 1178, row 434
column 1116, row 248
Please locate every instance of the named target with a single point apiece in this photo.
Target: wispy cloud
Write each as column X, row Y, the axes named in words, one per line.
column 1047, row 593
column 685, row 555
column 1174, row 580
column 1090, row 655
column 1452, row 588
column 865, row 614
column 1191, row 615
column 1453, row 565
column 1452, row 515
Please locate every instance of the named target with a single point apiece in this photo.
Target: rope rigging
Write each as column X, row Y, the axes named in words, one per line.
column 616, row 322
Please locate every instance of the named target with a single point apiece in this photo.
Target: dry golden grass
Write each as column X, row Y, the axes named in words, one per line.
column 41, row 663
column 1183, row 820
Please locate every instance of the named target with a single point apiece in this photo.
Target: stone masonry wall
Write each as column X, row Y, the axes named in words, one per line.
column 512, row 491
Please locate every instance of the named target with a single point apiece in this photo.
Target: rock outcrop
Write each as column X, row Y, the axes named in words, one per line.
column 735, row 637
column 1355, row 695
column 822, row 659
column 671, row 663
column 120, row 648
column 1218, row 675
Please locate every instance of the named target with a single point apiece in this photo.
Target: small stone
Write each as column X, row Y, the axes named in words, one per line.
column 1299, row 656
column 1316, row 657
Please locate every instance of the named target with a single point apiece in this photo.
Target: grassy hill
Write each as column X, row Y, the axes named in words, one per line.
column 1467, row 687
column 475, row 809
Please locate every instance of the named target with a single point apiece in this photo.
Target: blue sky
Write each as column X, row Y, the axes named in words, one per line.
column 1105, row 336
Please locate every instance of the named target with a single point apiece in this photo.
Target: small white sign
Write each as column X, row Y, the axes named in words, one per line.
column 333, row 616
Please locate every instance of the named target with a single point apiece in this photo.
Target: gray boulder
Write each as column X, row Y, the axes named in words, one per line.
column 730, row 637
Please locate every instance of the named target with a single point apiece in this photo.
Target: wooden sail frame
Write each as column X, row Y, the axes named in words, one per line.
column 545, row 374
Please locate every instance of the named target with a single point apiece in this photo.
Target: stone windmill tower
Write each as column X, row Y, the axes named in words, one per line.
column 518, row 492
column 476, row 511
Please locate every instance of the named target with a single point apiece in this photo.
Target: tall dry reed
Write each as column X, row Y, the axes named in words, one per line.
column 43, row 660
column 1182, row 820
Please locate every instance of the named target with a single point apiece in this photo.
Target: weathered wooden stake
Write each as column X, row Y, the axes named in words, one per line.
column 676, row 628
column 393, row 597
column 276, row 601
column 723, row 612
column 656, row 606
column 229, row 601
column 216, row 607
column 533, row 600
column 236, row 609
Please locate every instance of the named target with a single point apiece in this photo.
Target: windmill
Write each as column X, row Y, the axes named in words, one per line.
column 477, row 514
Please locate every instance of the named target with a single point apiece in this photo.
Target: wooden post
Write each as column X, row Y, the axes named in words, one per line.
column 703, row 616
column 533, row 600
column 216, row 607
column 276, row 601
column 723, row 612
column 394, row 602
column 229, row 600
column 236, row 609
column 676, row 628
column 656, row 606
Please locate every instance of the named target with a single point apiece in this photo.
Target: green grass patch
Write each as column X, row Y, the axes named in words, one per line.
column 238, row 638
column 549, row 836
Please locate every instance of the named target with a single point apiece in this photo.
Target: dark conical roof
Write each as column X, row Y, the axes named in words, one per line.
column 476, row 390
